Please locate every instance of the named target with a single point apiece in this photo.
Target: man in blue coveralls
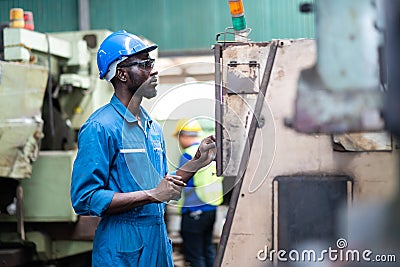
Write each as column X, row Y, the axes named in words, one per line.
column 120, row 172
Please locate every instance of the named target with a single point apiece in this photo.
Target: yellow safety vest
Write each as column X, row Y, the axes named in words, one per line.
column 208, row 186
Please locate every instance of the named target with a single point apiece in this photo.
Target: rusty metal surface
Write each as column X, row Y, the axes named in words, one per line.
column 321, row 110
column 342, row 92
column 243, row 78
column 375, row 173
column 245, row 156
column 237, row 114
column 237, row 97
column 20, row 149
column 348, row 55
column 21, row 98
column 363, row 142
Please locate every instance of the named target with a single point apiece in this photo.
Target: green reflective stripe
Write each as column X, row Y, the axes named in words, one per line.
column 191, row 150
column 208, row 185
column 180, row 202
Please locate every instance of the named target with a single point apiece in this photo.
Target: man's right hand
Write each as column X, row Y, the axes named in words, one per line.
column 206, row 152
column 170, row 188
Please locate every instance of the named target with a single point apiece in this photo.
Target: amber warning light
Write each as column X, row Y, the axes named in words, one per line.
column 21, row 19
column 237, row 12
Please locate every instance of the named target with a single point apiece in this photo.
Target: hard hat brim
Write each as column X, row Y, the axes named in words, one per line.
column 187, row 133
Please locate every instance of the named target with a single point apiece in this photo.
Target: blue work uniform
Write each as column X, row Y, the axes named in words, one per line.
column 117, row 154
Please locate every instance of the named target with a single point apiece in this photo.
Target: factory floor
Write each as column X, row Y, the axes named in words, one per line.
column 179, row 259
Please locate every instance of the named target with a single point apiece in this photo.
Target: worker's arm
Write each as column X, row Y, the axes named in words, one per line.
column 204, row 155
column 169, row 188
column 89, row 193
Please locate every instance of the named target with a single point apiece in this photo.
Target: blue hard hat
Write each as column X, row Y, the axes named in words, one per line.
column 117, row 45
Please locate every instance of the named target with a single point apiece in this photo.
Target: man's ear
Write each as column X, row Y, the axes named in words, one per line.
column 121, row 75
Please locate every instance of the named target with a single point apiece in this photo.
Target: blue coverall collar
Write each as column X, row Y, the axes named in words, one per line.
column 126, row 114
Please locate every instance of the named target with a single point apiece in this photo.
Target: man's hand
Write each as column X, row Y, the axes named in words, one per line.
column 206, row 152
column 170, row 188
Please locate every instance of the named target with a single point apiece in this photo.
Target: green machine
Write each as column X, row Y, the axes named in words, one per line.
column 49, row 86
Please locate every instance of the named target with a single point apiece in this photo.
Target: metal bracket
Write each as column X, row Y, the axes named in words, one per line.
column 242, row 77
column 251, row 63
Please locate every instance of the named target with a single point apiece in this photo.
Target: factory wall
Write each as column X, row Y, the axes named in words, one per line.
column 173, row 24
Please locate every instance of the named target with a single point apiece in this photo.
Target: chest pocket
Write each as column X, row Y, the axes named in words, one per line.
column 157, row 157
column 134, row 160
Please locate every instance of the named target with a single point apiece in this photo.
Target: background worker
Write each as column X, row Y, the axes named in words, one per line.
column 120, row 172
column 199, row 200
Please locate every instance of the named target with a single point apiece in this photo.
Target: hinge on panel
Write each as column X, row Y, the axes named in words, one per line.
column 243, row 77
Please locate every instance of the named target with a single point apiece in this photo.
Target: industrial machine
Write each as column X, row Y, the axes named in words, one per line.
column 300, row 132
column 49, row 86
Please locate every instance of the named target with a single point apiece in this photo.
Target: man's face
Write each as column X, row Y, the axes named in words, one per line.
column 142, row 78
column 186, row 140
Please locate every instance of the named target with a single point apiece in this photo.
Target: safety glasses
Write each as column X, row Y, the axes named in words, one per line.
column 146, row 64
